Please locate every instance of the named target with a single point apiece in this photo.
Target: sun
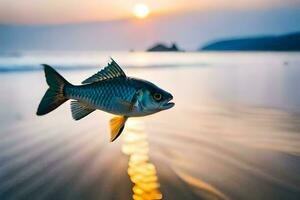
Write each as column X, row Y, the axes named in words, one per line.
column 141, row 11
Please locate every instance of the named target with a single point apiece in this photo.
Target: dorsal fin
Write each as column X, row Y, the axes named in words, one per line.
column 112, row 70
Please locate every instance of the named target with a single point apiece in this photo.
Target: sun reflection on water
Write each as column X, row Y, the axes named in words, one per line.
column 141, row 171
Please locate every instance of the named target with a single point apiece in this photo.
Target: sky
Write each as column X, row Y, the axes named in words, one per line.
column 72, row 11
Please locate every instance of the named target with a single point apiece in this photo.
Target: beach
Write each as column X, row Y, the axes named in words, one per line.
column 233, row 133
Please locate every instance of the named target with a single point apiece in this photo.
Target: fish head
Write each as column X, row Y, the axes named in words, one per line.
column 153, row 99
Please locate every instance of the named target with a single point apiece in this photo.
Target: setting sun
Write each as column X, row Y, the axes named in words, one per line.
column 140, row 11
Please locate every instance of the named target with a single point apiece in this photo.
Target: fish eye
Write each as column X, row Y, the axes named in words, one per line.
column 157, row 96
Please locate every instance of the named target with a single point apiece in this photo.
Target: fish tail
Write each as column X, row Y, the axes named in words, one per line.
column 54, row 96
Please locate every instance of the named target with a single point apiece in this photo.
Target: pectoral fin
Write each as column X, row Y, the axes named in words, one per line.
column 116, row 126
column 123, row 105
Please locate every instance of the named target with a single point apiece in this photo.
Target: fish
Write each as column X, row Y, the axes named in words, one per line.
column 109, row 90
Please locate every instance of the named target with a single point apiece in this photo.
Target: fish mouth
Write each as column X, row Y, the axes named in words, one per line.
column 168, row 104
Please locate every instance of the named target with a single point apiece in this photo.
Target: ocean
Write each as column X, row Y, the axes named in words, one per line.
column 234, row 132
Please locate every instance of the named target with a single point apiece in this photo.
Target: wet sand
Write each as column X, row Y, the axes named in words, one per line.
column 204, row 148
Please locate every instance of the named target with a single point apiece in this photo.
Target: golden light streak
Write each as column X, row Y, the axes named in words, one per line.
column 140, row 170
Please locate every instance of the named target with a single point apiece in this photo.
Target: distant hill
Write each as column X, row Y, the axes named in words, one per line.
column 163, row 47
column 290, row 42
column 189, row 29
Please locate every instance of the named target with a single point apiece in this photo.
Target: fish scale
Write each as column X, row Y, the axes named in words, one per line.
column 102, row 94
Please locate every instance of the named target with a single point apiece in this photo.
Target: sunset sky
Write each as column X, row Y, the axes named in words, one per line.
column 66, row 11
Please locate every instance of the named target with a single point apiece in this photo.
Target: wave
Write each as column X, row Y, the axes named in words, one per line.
column 28, row 68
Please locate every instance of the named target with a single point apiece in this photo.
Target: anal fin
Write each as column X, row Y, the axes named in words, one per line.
column 80, row 110
column 116, row 127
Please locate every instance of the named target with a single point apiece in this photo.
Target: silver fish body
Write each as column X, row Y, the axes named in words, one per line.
column 108, row 95
column 109, row 90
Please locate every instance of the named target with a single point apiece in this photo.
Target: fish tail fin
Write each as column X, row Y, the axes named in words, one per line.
column 54, row 96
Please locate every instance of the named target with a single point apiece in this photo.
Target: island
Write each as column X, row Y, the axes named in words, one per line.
column 289, row 42
column 162, row 47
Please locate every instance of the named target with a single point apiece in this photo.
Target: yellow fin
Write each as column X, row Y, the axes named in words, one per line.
column 116, row 127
